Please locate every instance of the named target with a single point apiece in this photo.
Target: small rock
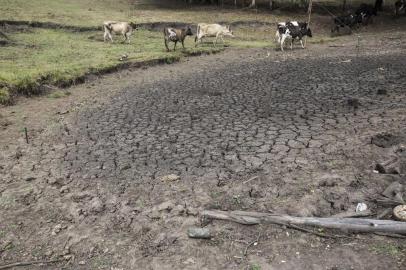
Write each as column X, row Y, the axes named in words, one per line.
column 19, row 153
column 165, row 206
column 49, row 253
column 201, row 233
column 82, row 263
column 64, row 189
column 170, row 178
column 189, row 261
column 179, row 209
column 96, row 205
column 382, row 92
column 56, row 229
column 361, row 207
column 192, row 211
column 30, row 178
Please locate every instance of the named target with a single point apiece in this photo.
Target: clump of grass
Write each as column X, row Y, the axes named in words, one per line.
column 388, row 249
column 59, row 94
column 255, row 267
column 5, row 97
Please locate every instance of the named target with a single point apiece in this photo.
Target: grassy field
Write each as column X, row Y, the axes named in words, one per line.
column 37, row 56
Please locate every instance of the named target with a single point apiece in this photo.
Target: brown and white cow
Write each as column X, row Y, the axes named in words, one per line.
column 123, row 28
column 212, row 30
column 176, row 35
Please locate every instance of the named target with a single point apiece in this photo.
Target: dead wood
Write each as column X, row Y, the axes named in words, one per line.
column 353, row 214
column 394, row 191
column 384, row 213
column 345, row 224
column 7, row 266
column 390, row 166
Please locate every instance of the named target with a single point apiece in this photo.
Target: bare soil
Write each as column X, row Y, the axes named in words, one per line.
column 90, row 185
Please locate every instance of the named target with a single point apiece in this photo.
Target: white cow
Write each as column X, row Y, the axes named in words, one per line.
column 123, row 28
column 212, row 30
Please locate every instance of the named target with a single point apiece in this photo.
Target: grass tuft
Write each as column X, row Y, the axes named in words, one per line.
column 5, row 97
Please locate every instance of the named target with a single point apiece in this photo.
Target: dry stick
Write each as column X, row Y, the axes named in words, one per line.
column 252, row 243
column 7, row 266
column 312, row 232
column 346, row 224
column 353, row 214
column 249, row 180
column 391, row 235
column 26, row 135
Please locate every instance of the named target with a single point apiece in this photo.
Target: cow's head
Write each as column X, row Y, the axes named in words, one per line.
column 188, row 31
column 134, row 25
column 227, row 31
column 309, row 32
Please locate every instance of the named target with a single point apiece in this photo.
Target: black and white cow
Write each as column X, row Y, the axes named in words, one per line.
column 366, row 12
column 350, row 21
column 282, row 25
column 292, row 31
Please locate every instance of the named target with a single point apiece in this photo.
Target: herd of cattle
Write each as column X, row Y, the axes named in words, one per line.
column 292, row 30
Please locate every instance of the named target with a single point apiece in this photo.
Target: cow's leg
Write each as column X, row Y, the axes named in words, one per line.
column 128, row 35
column 174, row 46
column 215, row 41
column 222, row 39
column 291, row 43
column 283, row 41
column 166, row 45
column 301, row 43
column 111, row 37
column 183, row 44
column 105, row 36
column 196, row 40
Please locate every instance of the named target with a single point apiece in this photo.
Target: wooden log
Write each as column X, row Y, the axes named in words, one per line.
column 345, row 224
column 353, row 214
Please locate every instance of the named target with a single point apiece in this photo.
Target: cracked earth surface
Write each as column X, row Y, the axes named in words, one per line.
column 92, row 187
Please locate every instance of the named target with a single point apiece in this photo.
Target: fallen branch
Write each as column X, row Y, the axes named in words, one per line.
column 345, row 224
column 353, row 214
column 7, row 266
column 252, row 243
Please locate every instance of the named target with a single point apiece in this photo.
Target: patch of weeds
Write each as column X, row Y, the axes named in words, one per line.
column 5, row 97
column 321, row 40
column 388, row 249
column 8, row 246
column 6, row 202
column 59, row 94
column 237, row 200
column 255, row 267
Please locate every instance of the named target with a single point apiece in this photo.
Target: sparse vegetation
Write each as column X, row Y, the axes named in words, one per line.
column 388, row 249
column 255, row 267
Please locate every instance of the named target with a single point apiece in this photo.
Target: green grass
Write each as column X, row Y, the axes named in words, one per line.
column 46, row 56
column 389, row 249
column 94, row 12
column 59, row 94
